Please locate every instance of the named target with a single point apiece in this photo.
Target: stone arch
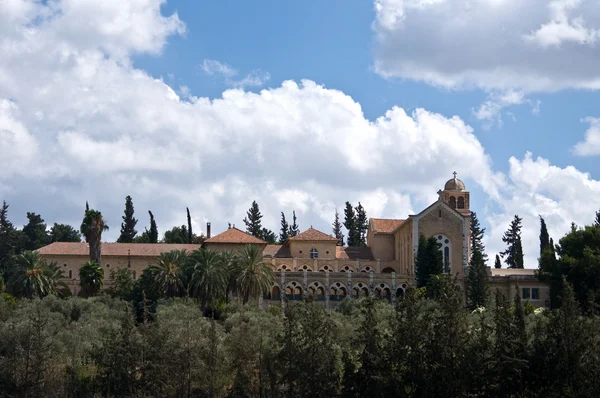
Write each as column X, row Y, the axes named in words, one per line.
column 461, row 202
column 284, row 267
column 305, row 267
column 347, row 268
column 275, row 293
column 383, row 291
column 446, row 249
column 326, row 268
column 317, row 290
column 400, row 292
column 294, row 291
column 452, row 202
column 337, row 291
column 367, row 268
column 387, row 270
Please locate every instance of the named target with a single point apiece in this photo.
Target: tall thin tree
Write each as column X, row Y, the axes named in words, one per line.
column 361, row 225
column 497, row 263
column 350, row 225
column 294, row 228
column 284, row 232
column 190, row 237
column 253, row 220
column 337, row 229
column 544, row 236
column 513, row 255
column 128, row 231
column 153, row 233
column 477, row 234
column 92, row 227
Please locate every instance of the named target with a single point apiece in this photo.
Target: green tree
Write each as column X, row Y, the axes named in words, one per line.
column 92, row 227
column 544, row 236
column 128, row 231
column 477, row 234
column 122, row 284
column 361, row 224
column 153, row 233
column 513, row 255
column 294, row 228
column 497, row 263
column 597, row 219
column 255, row 277
column 176, row 235
column 190, row 237
column 35, row 232
column 283, row 234
column 268, row 235
column 144, row 237
column 337, row 229
column 208, row 276
column 169, row 273
column 477, row 281
column 253, row 220
column 64, row 233
column 10, row 239
column 429, row 260
column 351, row 226
column 91, row 278
column 32, row 277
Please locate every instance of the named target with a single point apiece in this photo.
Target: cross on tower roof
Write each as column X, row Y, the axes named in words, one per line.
column 454, row 174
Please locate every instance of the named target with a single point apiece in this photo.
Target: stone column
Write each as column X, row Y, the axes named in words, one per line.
column 260, row 302
column 327, row 289
column 282, row 289
column 371, row 290
column 349, row 284
column 393, row 292
column 304, row 291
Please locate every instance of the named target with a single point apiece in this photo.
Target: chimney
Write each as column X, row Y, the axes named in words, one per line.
column 207, row 230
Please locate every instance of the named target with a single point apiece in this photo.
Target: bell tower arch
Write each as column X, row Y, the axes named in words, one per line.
column 456, row 195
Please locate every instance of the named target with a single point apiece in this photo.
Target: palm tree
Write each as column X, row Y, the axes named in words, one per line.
column 169, row 276
column 209, row 276
column 56, row 278
column 92, row 227
column 229, row 260
column 31, row 276
column 255, row 276
column 91, row 278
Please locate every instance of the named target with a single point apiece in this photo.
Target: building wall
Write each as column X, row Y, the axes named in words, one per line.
column 229, row 246
column 382, row 246
column 509, row 286
column 404, row 248
column 326, row 249
column 440, row 221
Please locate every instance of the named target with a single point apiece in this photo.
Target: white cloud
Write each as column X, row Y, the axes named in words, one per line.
column 536, row 187
column 495, row 45
column 490, row 111
column 255, row 78
column 591, row 145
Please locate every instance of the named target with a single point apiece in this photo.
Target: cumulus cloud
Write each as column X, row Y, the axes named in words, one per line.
column 538, row 188
column 493, row 44
column 590, row 146
column 491, row 110
column 255, row 78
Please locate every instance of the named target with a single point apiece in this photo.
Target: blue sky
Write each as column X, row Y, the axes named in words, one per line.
column 184, row 104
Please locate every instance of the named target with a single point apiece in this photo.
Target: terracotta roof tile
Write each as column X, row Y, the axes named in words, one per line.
column 114, row 249
column 234, row 235
column 277, row 251
column 386, row 225
column 353, row 253
column 312, row 234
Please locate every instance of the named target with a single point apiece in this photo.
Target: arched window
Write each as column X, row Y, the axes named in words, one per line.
column 70, row 274
column 314, row 253
column 452, row 202
column 461, row 202
column 387, row 270
column 275, row 293
column 445, row 246
column 133, row 275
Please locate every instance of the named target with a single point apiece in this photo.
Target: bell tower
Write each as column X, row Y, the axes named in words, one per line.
column 456, row 196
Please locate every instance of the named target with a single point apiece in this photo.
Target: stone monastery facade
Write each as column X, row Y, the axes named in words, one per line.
column 311, row 263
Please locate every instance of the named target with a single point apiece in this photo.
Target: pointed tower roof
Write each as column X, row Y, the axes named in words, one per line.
column 234, row 235
column 313, row 235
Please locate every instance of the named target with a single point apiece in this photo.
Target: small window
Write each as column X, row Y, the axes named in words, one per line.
column 314, row 253
column 461, row 202
column 440, row 214
column 70, row 274
column 129, row 265
column 452, row 202
column 526, row 293
column 107, row 265
column 535, row 293
column 300, row 251
column 133, row 275
column 65, row 264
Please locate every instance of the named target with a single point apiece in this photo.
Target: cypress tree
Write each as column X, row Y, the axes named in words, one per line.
column 294, row 228
column 350, row 224
column 361, row 225
column 153, row 233
column 284, row 232
column 477, row 281
column 35, row 232
column 597, row 220
column 544, row 236
column 8, row 232
column 429, row 260
column 337, row 229
column 477, row 234
column 268, row 235
column 190, row 234
column 514, row 251
column 498, row 264
column 253, row 220
column 128, row 231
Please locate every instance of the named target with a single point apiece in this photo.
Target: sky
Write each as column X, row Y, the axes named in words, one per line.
column 300, row 106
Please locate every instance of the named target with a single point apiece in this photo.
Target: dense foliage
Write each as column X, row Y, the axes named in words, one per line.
column 423, row 347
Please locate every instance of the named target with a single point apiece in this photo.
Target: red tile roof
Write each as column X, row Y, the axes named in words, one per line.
column 234, row 235
column 114, row 249
column 312, row 234
column 353, row 253
column 278, row 251
column 386, row 225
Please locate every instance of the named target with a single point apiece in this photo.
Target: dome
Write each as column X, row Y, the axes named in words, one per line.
column 454, row 184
